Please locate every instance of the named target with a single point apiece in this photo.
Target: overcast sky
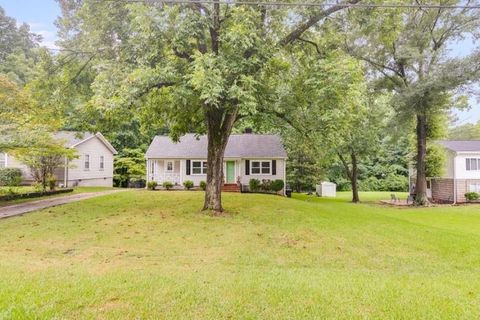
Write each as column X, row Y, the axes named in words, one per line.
column 41, row 14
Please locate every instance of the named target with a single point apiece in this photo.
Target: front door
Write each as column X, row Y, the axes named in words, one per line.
column 230, row 171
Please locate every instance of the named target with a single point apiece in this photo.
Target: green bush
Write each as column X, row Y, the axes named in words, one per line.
column 188, row 184
column 52, row 182
column 203, row 185
column 277, row 185
column 254, row 185
column 151, row 185
column 167, row 185
column 10, row 177
column 470, row 196
column 266, row 185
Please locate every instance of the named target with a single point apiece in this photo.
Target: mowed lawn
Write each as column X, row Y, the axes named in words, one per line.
column 141, row 255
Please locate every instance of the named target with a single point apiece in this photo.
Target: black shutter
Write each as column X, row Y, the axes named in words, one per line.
column 188, row 168
column 274, row 167
column 247, row 167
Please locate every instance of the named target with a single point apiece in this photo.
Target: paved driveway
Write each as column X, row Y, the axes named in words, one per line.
column 22, row 208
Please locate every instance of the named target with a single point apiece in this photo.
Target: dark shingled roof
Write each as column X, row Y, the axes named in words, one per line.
column 239, row 146
column 461, row 145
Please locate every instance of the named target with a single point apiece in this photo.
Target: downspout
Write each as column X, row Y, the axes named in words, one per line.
column 285, row 177
column 65, row 174
column 454, row 180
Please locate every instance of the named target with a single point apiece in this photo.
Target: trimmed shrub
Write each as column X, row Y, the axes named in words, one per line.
column 167, row 185
column 203, row 185
column 10, row 177
column 151, row 185
column 266, row 185
column 52, row 182
column 188, row 184
column 254, row 185
column 471, row 196
column 277, row 185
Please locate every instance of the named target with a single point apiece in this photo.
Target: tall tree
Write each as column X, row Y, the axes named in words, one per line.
column 199, row 66
column 408, row 50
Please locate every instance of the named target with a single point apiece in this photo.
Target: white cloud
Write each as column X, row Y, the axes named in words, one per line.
column 48, row 36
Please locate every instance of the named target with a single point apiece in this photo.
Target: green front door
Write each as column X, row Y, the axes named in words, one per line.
column 230, row 171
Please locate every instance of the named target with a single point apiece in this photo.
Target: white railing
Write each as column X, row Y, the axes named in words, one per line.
column 172, row 177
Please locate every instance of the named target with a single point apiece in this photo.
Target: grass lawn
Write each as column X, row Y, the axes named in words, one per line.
column 144, row 254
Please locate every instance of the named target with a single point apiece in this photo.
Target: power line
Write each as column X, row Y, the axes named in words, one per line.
column 307, row 4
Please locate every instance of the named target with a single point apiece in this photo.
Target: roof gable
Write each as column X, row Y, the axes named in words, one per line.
column 461, row 145
column 73, row 139
column 238, row 146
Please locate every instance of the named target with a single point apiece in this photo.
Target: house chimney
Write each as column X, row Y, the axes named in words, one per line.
column 248, row 130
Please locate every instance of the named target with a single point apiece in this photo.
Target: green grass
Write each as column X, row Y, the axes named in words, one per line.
column 143, row 254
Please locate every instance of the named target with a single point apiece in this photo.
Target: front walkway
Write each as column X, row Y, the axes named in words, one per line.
column 22, row 208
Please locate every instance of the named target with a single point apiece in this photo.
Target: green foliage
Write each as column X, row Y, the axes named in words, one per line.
column 52, row 182
column 151, row 185
column 435, row 160
column 277, row 185
column 468, row 131
column 167, row 185
column 471, row 196
column 10, row 177
column 254, row 185
column 129, row 167
column 203, row 185
column 188, row 184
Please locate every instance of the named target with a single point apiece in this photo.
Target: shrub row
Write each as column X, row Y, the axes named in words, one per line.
column 472, row 196
column 34, row 194
column 10, row 177
column 188, row 184
column 266, row 185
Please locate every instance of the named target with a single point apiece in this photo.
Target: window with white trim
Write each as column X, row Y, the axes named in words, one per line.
column 168, row 166
column 472, row 164
column 86, row 164
column 199, row 167
column 474, row 187
column 3, row 162
column 260, row 167
column 102, row 162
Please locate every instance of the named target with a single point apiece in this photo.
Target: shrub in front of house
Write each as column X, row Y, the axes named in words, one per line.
column 10, row 177
column 167, row 185
column 277, row 185
column 151, row 185
column 472, row 196
column 188, row 184
column 52, row 182
column 254, row 185
column 203, row 185
column 266, row 185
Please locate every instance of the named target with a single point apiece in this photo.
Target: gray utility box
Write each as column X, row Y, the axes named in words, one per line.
column 326, row 189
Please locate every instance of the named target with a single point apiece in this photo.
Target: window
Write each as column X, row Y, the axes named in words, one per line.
column 102, row 162
column 199, row 167
column 474, row 187
column 86, row 165
column 472, row 164
column 261, row 167
column 3, row 163
column 168, row 166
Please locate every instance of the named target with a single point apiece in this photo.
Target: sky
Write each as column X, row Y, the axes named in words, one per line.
column 41, row 15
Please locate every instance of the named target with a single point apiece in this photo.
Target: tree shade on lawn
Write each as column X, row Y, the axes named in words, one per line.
column 124, row 256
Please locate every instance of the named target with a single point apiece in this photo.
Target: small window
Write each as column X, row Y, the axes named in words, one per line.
column 102, row 162
column 260, row 167
column 474, row 187
column 199, row 167
column 86, row 165
column 472, row 164
column 467, row 163
column 169, row 166
column 3, row 162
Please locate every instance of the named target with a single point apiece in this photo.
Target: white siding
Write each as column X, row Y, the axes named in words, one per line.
column 461, row 169
column 94, row 176
column 280, row 174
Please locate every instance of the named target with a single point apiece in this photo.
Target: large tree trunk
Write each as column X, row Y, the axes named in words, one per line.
column 219, row 127
column 421, row 183
column 354, row 178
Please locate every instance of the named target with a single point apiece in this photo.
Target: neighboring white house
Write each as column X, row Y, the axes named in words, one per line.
column 247, row 156
column 93, row 167
column 461, row 173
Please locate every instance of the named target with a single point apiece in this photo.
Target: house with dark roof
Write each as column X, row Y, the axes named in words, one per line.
column 247, row 156
column 461, row 173
column 93, row 165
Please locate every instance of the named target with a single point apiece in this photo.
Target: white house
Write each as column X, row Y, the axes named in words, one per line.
column 247, row 156
column 461, row 173
column 92, row 167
